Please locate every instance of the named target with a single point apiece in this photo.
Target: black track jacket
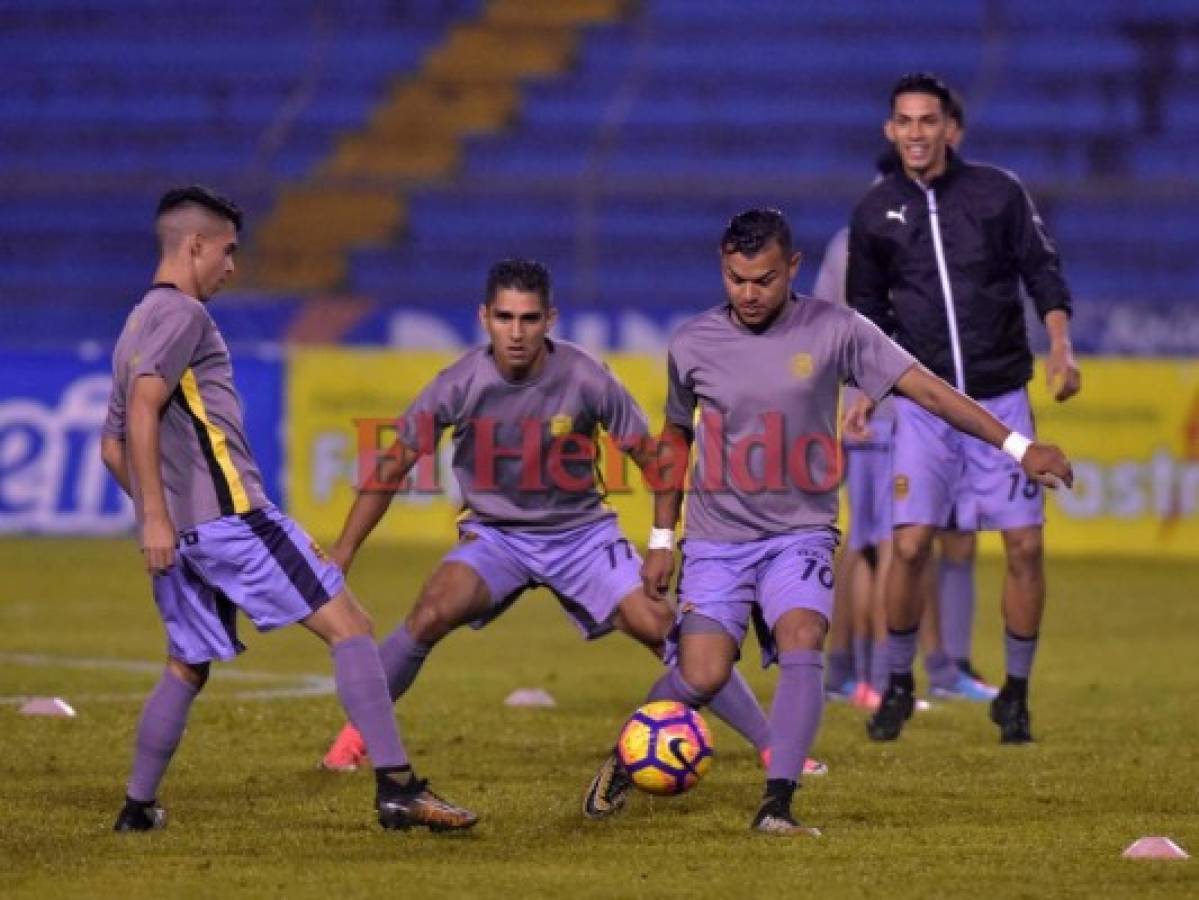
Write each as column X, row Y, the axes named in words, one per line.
column 938, row 269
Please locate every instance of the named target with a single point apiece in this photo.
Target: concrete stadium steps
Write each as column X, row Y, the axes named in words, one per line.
column 469, row 85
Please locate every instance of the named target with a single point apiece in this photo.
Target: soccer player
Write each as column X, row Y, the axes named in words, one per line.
column 937, row 255
column 524, row 411
column 213, row 542
column 753, row 383
column 857, row 661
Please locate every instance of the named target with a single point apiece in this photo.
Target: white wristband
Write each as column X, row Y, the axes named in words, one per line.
column 1016, row 445
column 661, row 539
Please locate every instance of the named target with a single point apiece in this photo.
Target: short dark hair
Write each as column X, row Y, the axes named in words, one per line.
column 925, row 83
column 198, row 195
column 956, row 109
column 749, row 232
column 516, row 274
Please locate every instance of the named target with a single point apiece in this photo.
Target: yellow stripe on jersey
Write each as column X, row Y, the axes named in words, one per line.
column 216, row 437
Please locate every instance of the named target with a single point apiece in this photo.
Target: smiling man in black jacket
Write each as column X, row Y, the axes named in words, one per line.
column 937, row 253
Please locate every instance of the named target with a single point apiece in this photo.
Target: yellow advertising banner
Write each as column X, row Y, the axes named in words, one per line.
column 1133, row 435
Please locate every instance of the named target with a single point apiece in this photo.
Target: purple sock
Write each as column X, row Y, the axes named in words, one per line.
column 942, row 672
column 737, row 706
column 840, row 669
column 362, row 690
column 901, row 650
column 879, row 668
column 672, row 686
column 956, row 586
column 164, row 717
column 861, row 659
column 1018, row 653
column 795, row 713
column 402, row 655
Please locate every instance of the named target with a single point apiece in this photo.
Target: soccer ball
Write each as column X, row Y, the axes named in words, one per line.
column 666, row 747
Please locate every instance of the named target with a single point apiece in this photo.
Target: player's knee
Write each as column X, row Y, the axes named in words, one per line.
column 1025, row 551
column 958, row 547
column 911, row 548
column 429, row 620
column 801, row 630
column 193, row 674
column 706, row 676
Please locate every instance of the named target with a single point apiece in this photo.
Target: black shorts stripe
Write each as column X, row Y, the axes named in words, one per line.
column 289, row 557
column 226, row 611
column 220, row 484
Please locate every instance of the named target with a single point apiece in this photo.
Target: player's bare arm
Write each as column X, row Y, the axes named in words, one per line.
column 1061, row 369
column 149, row 395
column 112, row 454
column 1045, row 463
column 665, row 470
column 371, row 505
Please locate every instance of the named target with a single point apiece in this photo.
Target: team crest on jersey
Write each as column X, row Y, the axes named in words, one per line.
column 801, row 365
column 318, row 551
column 901, row 486
column 561, row 424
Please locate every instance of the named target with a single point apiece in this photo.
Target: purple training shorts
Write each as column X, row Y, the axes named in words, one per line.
column 260, row 562
column 951, row 480
column 590, row 569
column 761, row 580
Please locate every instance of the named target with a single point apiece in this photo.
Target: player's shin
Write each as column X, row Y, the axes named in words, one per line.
column 673, row 686
column 795, row 713
column 362, row 689
column 402, row 656
column 159, row 731
column 956, row 590
column 737, row 706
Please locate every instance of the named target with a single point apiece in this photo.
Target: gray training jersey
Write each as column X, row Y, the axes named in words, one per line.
column 207, row 468
column 763, row 408
column 519, row 448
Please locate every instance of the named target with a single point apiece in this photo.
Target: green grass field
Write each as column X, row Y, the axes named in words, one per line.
column 944, row 812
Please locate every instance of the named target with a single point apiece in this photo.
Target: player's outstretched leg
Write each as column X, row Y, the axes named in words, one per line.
column 402, row 656
column 794, row 719
column 401, row 799
column 453, row 595
column 164, row 718
column 706, row 655
column 649, row 622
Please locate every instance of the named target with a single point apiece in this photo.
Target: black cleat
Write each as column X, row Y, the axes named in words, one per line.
column 774, row 815
column 608, row 789
column 139, row 815
column 895, row 709
column 1011, row 715
column 418, row 807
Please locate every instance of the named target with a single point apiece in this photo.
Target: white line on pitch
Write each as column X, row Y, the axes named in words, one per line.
column 290, row 686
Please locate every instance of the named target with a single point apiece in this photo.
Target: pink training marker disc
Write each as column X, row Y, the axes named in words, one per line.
column 48, row 706
column 1155, row 848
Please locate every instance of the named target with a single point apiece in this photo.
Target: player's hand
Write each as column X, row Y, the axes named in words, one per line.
column 656, row 573
column 158, row 543
column 1048, row 465
column 855, row 422
column 1061, row 372
column 342, row 557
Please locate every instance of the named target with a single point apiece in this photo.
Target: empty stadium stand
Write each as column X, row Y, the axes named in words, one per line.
column 615, row 156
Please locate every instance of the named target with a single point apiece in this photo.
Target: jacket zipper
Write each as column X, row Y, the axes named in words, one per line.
column 955, row 344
